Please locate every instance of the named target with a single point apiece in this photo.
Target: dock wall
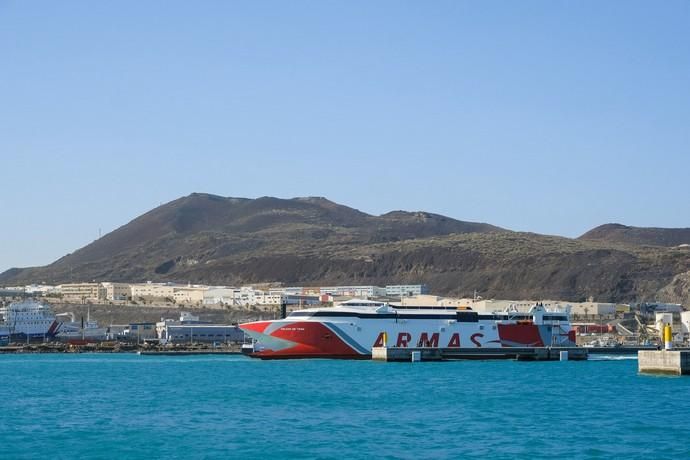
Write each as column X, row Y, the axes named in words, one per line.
column 449, row 354
column 664, row 362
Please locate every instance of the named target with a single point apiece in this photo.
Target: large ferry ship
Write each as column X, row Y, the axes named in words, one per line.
column 350, row 330
column 28, row 319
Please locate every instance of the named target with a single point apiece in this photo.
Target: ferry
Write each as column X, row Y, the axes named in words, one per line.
column 28, row 319
column 350, row 330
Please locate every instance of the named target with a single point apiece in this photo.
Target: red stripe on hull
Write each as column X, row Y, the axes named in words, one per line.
column 258, row 326
column 312, row 340
column 53, row 328
column 519, row 335
column 572, row 338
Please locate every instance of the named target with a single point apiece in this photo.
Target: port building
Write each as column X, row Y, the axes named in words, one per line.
column 140, row 331
column 188, row 329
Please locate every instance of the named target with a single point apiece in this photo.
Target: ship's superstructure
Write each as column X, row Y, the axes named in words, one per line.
column 351, row 329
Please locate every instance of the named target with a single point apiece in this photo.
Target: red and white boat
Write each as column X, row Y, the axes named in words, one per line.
column 350, row 330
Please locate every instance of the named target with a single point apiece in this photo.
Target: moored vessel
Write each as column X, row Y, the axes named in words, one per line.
column 351, row 329
column 28, row 319
column 85, row 330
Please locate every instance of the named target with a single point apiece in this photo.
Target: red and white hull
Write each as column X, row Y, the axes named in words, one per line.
column 352, row 329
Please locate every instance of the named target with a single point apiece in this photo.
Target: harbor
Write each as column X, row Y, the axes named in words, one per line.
column 349, row 329
column 389, row 230
column 155, row 402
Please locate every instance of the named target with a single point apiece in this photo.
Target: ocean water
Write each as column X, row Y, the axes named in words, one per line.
column 206, row 407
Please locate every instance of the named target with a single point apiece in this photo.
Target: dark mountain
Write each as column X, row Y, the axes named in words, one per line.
column 312, row 241
column 202, row 230
column 617, row 233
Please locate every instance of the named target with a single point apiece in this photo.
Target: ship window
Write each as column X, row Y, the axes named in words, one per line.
column 555, row 318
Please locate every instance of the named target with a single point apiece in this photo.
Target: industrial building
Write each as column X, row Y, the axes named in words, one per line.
column 202, row 333
column 140, row 331
column 188, row 329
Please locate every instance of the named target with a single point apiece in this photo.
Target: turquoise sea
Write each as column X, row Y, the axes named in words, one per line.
column 207, row 407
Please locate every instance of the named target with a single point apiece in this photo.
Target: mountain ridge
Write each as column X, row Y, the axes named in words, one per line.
column 652, row 236
column 311, row 240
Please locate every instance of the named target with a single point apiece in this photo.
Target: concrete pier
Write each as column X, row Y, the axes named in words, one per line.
column 664, row 362
column 404, row 354
column 450, row 354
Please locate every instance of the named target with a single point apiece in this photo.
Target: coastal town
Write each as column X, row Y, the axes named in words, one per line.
column 171, row 313
column 336, row 229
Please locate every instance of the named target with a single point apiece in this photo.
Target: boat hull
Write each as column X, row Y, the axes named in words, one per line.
column 353, row 338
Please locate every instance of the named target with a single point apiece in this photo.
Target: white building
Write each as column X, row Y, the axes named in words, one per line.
column 685, row 322
column 663, row 319
column 399, row 290
column 354, row 291
column 491, row 305
column 272, row 297
column 424, row 300
column 219, row 295
column 246, row 296
column 40, row 289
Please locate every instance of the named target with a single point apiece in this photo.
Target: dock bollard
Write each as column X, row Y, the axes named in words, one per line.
column 416, row 356
column 563, row 356
column 668, row 337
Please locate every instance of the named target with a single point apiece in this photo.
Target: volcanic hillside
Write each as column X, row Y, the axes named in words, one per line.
column 312, row 241
column 617, row 233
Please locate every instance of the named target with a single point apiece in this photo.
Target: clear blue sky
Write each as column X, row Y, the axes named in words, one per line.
column 548, row 116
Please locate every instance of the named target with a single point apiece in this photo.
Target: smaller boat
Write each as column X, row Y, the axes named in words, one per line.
column 84, row 330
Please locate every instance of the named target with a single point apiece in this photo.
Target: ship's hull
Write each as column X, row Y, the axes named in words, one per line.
column 28, row 320
column 21, row 333
column 93, row 333
column 353, row 338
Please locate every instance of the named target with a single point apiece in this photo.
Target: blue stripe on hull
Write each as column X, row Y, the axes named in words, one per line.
column 349, row 340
